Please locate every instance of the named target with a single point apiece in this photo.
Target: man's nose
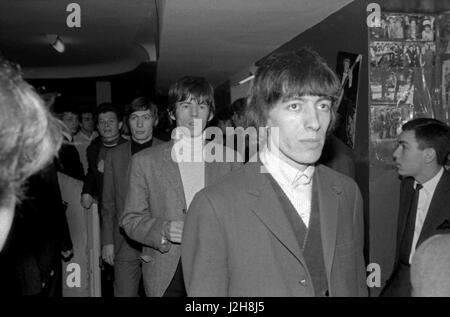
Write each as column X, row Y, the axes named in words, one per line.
column 312, row 119
column 140, row 122
column 395, row 154
column 194, row 111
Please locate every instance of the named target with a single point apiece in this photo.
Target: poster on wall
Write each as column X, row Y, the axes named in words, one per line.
column 386, row 121
column 408, row 27
column 394, row 86
column 444, row 27
column 402, row 54
column 446, row 83
column 347, row 67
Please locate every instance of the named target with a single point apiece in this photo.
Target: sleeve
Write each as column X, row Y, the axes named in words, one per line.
column 358, row 224
column 108, row 210
column 137, row 219
column 203, row 251
column 90, row 184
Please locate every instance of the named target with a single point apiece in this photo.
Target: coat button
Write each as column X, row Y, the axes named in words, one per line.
column 52, row 273
column 303, row 282
column 43, row 284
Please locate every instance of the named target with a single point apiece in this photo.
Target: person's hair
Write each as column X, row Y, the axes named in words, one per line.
column 430, row 269
column 224, row 113
column 239, row 106
column 197, row 88
column 431, row 133
column 29, row 135
column 290, row 75
column 60, row 111
column 85, row 109
column 107, row 107
column 141, row 104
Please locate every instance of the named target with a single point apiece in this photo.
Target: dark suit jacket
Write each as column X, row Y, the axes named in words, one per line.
column 93, row 182
column 115, row 184
column 69, row 162
column 40, row 232
column 438, row 213
column 155, row 195
column 237, row 240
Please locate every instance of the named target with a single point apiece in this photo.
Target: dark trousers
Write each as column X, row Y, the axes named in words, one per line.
column 176, row 287
column 399, row 285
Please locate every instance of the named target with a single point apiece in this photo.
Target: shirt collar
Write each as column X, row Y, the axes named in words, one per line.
column 431, row 184
column 68, row 136
column 288, row 174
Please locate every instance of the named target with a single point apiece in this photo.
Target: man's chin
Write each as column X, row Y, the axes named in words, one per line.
column 305, row 160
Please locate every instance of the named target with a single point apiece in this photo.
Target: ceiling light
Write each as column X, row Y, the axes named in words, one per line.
column 243, row 81
column 56, row 42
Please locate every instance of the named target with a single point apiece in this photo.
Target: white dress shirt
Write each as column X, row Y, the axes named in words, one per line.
column 296, row 184
column 425, row 196
column 192, row 171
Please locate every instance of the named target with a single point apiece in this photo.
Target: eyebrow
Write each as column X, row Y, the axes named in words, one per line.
column 141, row 115
column 302, row 98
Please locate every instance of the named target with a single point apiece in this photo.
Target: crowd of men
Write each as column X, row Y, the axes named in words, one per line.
column 289, row 223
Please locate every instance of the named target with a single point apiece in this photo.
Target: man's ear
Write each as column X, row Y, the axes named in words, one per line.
column 211, row 115
column 429, row 154
column 120, row 125
column 171, row 115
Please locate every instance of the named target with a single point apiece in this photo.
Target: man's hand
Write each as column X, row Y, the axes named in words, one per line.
column 173, row 230
column 108, row 253
column 86, row 201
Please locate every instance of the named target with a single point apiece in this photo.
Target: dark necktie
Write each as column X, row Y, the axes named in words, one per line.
column 408, row 235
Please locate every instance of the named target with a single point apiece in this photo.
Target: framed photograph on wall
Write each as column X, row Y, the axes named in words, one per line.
column 347, row 67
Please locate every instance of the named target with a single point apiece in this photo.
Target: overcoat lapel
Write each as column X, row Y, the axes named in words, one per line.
column 265, row 205
column 173, row 175
column 328, row 204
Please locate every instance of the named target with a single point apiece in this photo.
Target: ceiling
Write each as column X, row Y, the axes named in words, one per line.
column 211, row 38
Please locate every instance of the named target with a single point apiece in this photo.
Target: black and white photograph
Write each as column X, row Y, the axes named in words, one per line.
column 256, row 149
column 388, row 54
column 386, row 121
column 408, row 27
column 402, row 54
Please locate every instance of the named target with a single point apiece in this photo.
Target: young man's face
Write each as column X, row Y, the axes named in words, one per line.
column 409, row 159
column 108, row 125
column 87, row 122
column 71, row 121
column 141, row 125
column 303, row 124
column 189, row 110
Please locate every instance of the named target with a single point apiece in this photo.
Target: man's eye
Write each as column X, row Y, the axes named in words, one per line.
column 294, row 106
column 147, row 117
column 324, row 106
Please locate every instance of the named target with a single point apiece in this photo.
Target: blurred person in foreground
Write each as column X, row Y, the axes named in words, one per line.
column 29, row 138
column 430, row 268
